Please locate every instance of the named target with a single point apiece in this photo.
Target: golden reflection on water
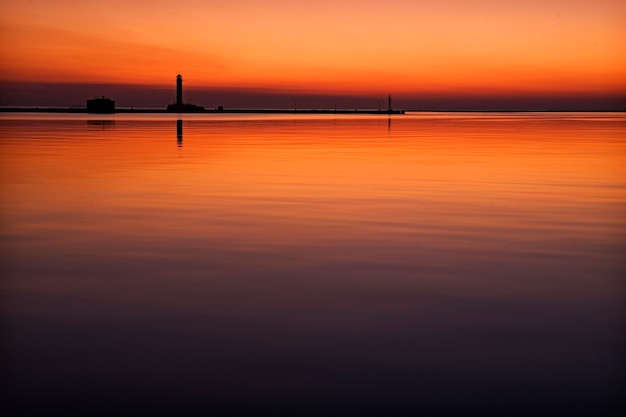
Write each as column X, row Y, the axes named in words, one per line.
column 313, row 236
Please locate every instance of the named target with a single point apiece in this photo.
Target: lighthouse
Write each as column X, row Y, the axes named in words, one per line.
column 179, row 106
column 179, row 90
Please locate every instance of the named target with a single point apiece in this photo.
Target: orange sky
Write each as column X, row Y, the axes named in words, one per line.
column 323, row 46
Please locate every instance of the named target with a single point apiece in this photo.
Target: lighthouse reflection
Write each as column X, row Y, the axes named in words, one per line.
column 179, row 132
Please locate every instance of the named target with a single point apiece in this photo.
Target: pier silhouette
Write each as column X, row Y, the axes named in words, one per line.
column 107, row 105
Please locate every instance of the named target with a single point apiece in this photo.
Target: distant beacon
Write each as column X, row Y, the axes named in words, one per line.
column 179, row 106
column 179, row 90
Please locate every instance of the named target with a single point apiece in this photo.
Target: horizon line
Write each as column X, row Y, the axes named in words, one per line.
column 364, row 110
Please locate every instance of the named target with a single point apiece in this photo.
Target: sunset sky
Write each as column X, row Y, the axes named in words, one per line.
column 447, row 51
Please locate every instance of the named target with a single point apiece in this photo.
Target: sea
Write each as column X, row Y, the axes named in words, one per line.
column 267, row 264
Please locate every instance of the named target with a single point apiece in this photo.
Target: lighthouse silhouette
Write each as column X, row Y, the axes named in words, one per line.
column 179, row 90
column 179, row 106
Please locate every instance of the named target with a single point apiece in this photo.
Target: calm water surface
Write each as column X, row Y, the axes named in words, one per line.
column 313, row 264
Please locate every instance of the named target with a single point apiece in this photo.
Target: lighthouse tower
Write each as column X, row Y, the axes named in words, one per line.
column 179, row 106
column 179, row 90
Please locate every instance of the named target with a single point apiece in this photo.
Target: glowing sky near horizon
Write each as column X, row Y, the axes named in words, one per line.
column 500, row 47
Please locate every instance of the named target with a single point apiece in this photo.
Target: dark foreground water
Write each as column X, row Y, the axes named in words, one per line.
column 452, row 264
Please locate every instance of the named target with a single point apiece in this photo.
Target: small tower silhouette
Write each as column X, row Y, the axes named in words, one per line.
column 179, row 106
column 179, row 90
column 389, row 106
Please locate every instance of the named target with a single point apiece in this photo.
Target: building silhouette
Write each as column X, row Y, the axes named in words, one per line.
column 101, row 105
